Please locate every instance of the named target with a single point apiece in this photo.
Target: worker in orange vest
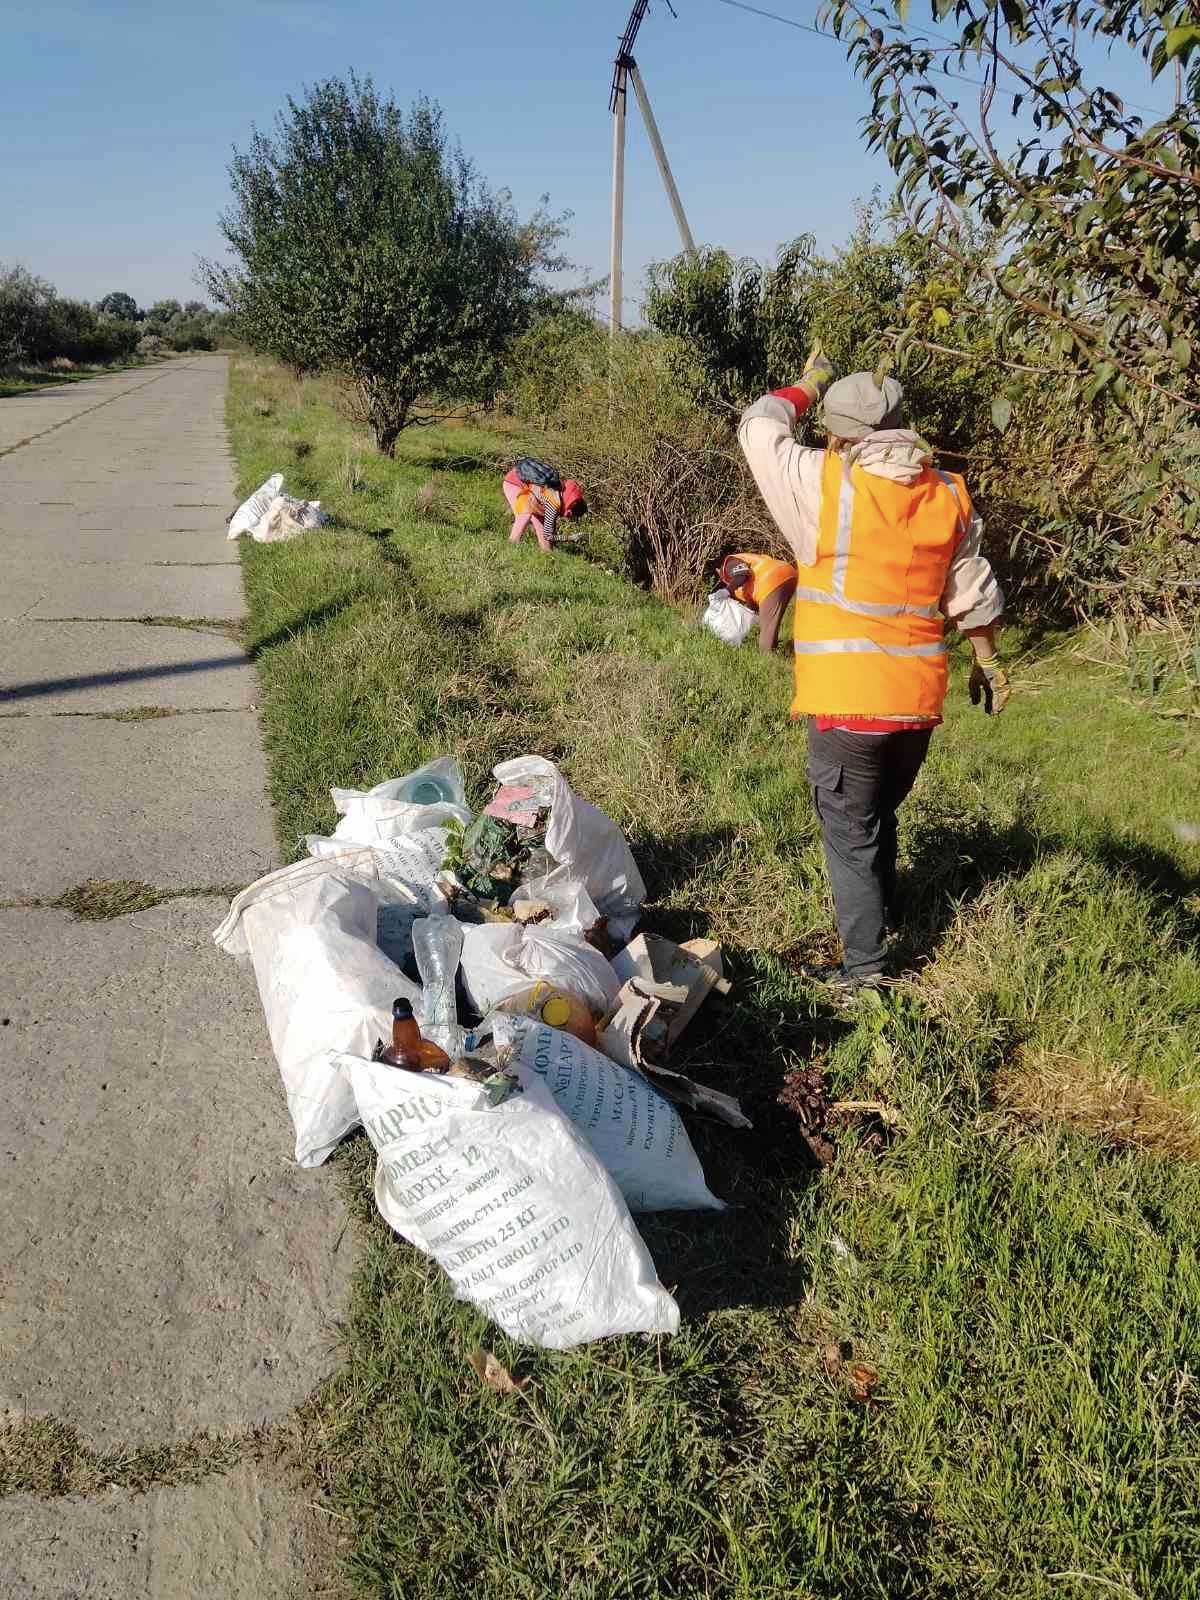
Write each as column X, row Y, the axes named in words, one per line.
column 763, row 584
column 888, row 550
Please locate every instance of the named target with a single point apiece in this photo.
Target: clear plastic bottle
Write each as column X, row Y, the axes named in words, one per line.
column 437, row 944
column 436, row 783
column 555, row 1007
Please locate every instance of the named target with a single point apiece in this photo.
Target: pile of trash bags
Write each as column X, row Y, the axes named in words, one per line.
column 271, row 516
column 551, row 1113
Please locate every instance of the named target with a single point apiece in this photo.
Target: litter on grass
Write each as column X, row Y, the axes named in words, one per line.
column 444, row 979
column 728, row 618
column 269, row 515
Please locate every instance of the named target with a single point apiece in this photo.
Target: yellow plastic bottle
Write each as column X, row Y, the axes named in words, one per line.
column 556, row 1008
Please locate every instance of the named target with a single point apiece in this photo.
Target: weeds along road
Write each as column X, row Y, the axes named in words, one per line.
column 167, row 1277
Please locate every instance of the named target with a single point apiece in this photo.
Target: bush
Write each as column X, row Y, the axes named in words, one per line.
column 151, row 344
column 663, row 478
column 190, row 333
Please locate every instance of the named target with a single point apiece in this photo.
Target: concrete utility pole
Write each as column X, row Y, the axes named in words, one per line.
column 625, row 68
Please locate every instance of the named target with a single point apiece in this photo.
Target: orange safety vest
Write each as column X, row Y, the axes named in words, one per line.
column 766, row 575
column 868, row 629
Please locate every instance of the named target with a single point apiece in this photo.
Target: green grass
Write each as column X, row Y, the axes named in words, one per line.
column 19, row 380
column 1017, row 1261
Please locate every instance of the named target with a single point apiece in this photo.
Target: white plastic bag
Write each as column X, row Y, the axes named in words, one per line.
column 439, row 781
column 510, row 1201
column 325, row 985
column 728, row 618
column 571, row 906
column 407, row 834
column 585, row 841
column 251, row 512
column 636, row 1133
column 502, row 958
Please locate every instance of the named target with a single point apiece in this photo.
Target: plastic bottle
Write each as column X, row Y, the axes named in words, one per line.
column 408, row 1048
column 437, row 783
column 555, row 1007
column 437, row 944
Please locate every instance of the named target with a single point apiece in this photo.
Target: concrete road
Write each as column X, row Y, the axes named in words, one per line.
column 165, row 1269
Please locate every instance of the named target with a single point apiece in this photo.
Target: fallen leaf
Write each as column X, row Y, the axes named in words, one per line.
column 492, row 1371
column 863, row 1380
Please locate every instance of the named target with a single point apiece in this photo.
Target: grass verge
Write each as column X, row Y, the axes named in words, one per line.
column 20, row 380
column 1017, row 1279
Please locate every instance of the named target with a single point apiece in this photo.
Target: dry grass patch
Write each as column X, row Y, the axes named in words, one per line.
column 1095, row 1098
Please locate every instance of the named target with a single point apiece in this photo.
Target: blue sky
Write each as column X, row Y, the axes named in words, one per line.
column 117, row 119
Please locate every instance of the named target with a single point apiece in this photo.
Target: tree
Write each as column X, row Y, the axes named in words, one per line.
column 365, row 243
column 24, row 307
column 1094, row 281
column 163, row 311
column 123, row 307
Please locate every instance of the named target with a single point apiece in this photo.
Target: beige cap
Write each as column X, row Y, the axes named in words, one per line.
column 856, row 405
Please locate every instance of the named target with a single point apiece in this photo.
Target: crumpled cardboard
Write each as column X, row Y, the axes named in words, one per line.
column 663, row 986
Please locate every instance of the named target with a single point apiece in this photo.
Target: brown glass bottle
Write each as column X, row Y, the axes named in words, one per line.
column 408, row 1049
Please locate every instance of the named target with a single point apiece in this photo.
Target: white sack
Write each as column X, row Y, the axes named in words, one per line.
column 728, row 618
column 411, row 863
column 325, row 985
column 502, row 958
column 584, row 840
column 512, row 1204
column 251, row 512
column 636, row 1133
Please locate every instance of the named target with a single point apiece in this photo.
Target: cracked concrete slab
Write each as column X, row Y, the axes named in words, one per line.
column 111, row 666
column 45, row 590
column 244, row 1536
column 99, row 544
column 173, row 801
column 165, row 1267
column 37, row 411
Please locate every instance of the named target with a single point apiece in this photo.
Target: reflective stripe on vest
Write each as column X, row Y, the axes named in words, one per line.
column 876, row 536
column 841, row 647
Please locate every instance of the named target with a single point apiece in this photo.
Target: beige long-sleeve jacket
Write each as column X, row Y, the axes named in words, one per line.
column 789, row 478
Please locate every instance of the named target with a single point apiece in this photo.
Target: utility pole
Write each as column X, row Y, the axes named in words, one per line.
column 624, row 69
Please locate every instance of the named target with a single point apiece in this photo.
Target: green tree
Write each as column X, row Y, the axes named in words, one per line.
column 163, row 311
column 120, row 306
column 1093, row 284
column 25, row 303
column 364, row 242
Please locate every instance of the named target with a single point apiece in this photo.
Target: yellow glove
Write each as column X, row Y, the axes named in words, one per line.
column 817, row 374
column 989, row 685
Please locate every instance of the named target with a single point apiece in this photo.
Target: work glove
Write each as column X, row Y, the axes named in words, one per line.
column 817, row 375
column 989, row 686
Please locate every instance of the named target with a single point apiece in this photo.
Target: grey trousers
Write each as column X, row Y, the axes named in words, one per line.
column 859, row 781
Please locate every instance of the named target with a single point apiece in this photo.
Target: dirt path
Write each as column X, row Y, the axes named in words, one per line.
column 164, row 1268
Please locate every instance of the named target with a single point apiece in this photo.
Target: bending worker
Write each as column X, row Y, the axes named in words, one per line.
column 538, row 497
column 888, row 549
column 763, row 584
